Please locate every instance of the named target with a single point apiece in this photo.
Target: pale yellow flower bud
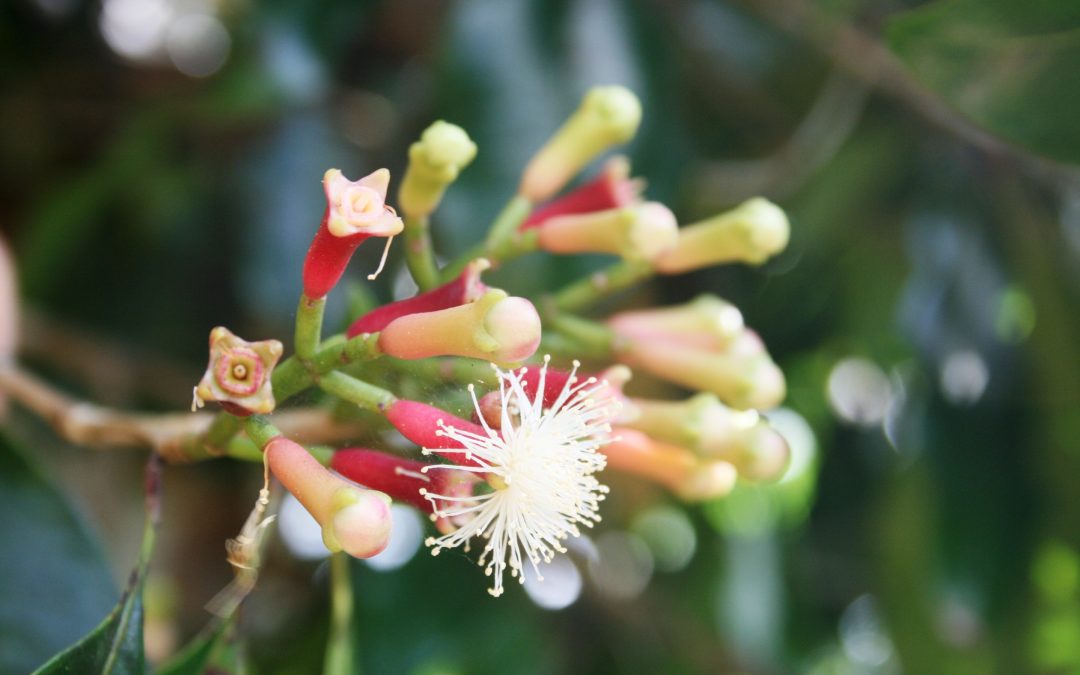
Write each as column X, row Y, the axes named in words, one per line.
column 435, row 160
column 709, row 480
column 742, row 382
column 640, row 232
column 607, row 116
column 495, row 327
column 353, row 519
column 672, row 466
column 707, row 322
column 752, row 233
column 713, row 430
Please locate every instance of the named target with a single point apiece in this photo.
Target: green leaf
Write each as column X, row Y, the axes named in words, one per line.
column 198, row 654
column 1013, row 66
column 115, row 647
column 55, row 584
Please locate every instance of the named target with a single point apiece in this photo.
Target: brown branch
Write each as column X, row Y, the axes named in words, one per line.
column 177, row 437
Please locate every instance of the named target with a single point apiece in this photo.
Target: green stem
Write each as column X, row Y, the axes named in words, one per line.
column 594, row 339
column 554, row 342
column 340, row 654
column 245, row 450
column 292, row 377
column 513, row 246
column 451, row 271
column 585, row 292
column 442, row 371
column 361, row 348
column 224, row 427
column 260, row 430
column 356, row 391
column 419, row 255
column 502, row 243
column 507, row 222
column 309, row 319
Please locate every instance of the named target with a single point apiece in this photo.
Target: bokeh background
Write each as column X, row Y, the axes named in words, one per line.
column 160, row 167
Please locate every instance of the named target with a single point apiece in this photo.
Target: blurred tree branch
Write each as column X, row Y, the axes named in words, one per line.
column 822, row 132
column 861, row 54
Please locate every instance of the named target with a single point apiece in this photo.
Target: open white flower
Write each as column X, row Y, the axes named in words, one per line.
column 540, row 464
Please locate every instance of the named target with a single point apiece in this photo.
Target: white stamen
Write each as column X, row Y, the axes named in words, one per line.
column 382, row 261
column 545, row 460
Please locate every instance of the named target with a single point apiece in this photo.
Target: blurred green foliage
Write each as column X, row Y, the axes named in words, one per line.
column 936, row 235
column 55, row 584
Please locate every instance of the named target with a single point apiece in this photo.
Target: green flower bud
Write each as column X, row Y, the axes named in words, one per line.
column 435, row 160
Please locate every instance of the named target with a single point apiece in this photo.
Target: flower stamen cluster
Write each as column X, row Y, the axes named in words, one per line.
column 541, row 464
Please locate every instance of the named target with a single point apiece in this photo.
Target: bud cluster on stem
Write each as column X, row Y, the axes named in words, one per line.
column 713, row 430
column 521, row 475
column 702, row 345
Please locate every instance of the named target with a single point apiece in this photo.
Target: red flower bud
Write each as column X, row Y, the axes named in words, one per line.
column 612, row 189
column 611, row 380
column 398, row 477
column 422, row 424
column 355, row 210
column 466, row 288
column 403, row 479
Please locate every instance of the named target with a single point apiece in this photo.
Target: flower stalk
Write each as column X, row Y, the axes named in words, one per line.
column 309, row 318
column 340, row 649
column 584, row 293
column 356, row 391
column 501, row 236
